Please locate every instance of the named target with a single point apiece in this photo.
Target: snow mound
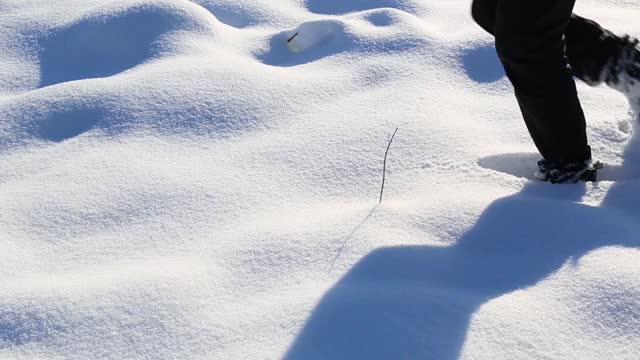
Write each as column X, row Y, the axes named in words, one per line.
column 356, row 35
column 112, row 39
column 349, row 6
column 68, row 311
column 250, row 13
column 200, row 180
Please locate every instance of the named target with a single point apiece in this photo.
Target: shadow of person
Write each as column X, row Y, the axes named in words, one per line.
column 416, row 301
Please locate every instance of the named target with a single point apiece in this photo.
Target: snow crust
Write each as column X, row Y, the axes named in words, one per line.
column 193, row 180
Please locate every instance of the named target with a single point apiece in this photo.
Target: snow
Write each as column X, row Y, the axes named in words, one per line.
column 180, row 181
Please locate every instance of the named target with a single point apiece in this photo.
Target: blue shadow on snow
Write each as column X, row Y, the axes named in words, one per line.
column 482, row 64
column 350, row 6
column 31, row 327
column 62, row 126
column 416, row 301
column 101, row 46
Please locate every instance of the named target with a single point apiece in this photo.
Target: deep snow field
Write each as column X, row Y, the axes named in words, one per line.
column 177, row 181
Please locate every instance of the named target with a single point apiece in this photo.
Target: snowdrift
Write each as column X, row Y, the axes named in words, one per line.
column 200, row 179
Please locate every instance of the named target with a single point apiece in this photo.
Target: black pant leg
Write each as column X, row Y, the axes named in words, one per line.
column 484, row 14
column 530, row 43
column 590, row 49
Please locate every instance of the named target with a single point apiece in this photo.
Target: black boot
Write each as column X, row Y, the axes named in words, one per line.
column 568, row 173
column 622, row 71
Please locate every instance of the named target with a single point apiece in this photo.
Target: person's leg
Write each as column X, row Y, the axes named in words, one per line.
column 529, row 37
column 531, row 46
column 484, row 14
column 597, row 55
column 591, row 49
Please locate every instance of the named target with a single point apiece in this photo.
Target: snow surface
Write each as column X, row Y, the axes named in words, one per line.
column 178, row 183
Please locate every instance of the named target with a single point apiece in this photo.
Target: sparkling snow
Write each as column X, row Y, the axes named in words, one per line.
column 199, row 180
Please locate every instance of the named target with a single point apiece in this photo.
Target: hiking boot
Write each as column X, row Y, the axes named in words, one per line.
column 568, row 173
column 622, row 71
